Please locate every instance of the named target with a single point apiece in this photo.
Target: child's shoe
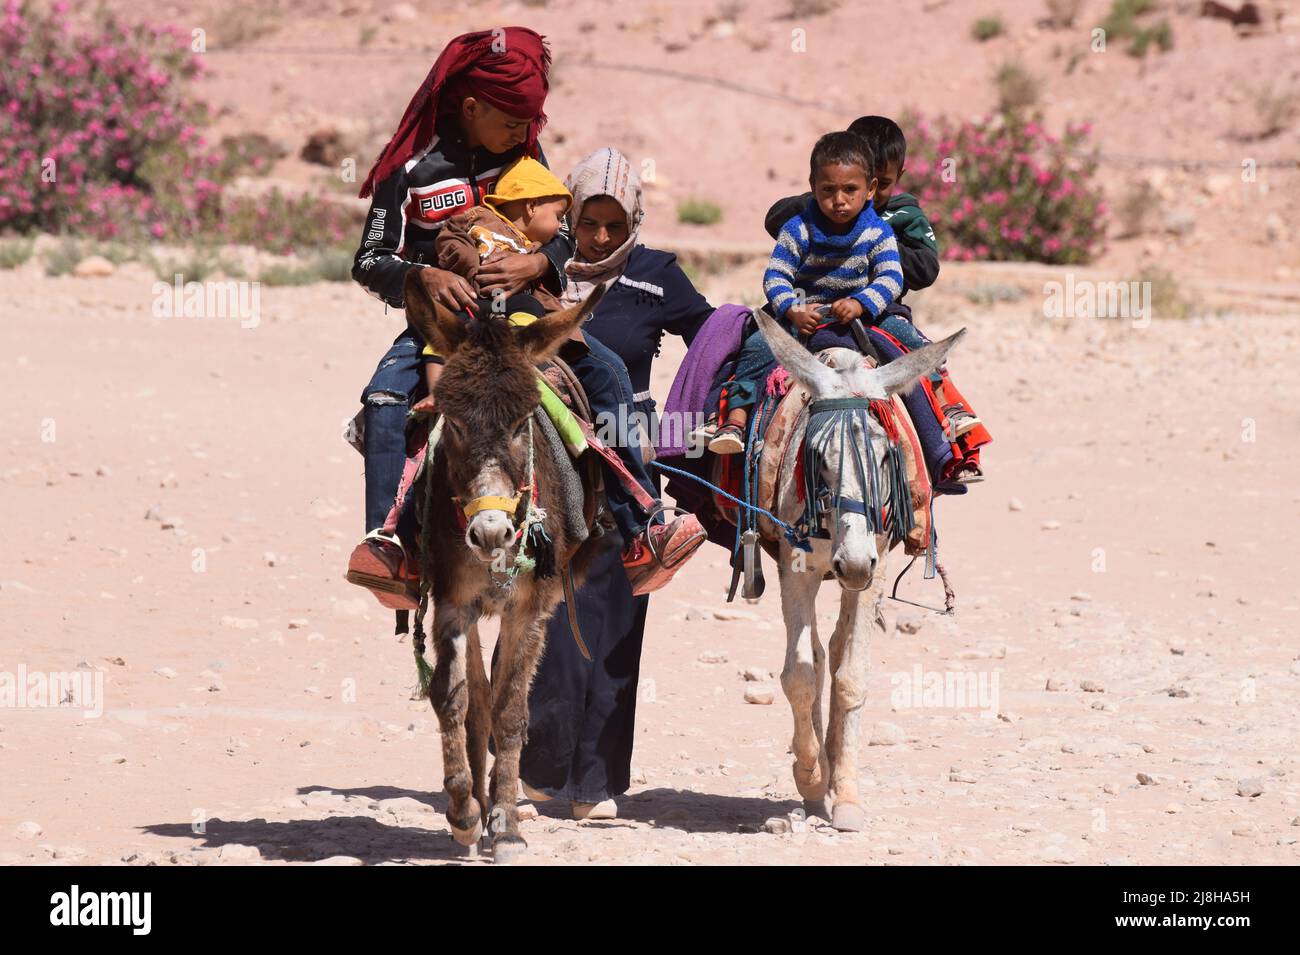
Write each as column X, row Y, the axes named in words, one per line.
column 968, row 473
column 704, row 433
column 730, row 439
column 960, row 421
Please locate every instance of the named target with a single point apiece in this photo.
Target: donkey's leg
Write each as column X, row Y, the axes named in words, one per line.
column 850, row 663
column 818, row 807
column 800, row 675
column 478, row 721
column 522, row 637
column 449, row 694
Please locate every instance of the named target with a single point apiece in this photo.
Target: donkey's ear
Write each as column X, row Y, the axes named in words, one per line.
column 440, row 328
column 542, row 338
column 902, row 373
column 794, row 358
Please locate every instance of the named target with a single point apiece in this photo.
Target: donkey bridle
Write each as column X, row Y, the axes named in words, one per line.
column 499, row 502
column 821, row 500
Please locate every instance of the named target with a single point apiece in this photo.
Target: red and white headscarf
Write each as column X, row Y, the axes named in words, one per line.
column 505, row 67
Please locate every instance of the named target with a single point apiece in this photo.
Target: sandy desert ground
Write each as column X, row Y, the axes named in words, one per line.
column 178, row 504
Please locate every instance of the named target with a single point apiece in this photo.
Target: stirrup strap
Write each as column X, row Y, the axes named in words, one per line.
column 566, row 577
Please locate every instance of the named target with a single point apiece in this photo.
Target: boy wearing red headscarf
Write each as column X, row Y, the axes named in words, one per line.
column 478, row 111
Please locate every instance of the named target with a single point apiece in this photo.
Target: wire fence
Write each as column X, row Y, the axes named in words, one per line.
column 685, row 76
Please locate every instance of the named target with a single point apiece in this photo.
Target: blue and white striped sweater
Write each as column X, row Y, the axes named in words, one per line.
column 862, row 264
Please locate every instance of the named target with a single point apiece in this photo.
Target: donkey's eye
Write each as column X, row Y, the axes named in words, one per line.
column 519, row 428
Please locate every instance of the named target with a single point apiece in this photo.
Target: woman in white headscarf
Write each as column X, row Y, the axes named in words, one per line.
column 582, row 715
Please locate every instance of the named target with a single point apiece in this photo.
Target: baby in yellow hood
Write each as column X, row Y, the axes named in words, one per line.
column 523, row 212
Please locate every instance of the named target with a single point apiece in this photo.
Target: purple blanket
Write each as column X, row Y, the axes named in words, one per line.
column 716, row 341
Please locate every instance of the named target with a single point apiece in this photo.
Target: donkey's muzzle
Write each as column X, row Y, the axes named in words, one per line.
column 854, row 574
column 489, row 533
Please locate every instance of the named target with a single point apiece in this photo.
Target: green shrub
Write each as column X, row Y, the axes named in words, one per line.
column 329, row 265
column 1167, row 299
column 1137, row 209
column 14, row 252
column 698, row 212
column 1017, row 88
column 1162, row 35
column 284, row 274
column 1121, row 23
column 1061, row 14
column 246, row 152
column 63, row 258
column 1274, row 109
column 335, row 265
column 987, row 294
column 986, row 28
column 195, row 265
column 285, row 224
column 237, row 24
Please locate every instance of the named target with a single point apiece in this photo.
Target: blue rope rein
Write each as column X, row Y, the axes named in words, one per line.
column 828, row 419
column 791, row 533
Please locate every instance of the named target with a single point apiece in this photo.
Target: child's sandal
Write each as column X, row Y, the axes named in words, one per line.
column 730, row 439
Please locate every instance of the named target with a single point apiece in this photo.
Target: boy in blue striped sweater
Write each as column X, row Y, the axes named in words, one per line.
column 837, row 253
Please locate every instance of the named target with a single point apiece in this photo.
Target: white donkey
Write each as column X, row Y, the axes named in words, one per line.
column 852, row 552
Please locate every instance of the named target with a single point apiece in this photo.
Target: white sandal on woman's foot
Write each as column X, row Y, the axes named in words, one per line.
column 605, row 809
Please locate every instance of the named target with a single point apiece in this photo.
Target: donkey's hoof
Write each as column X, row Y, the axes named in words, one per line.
column 815, row 808
column 848, row 817
column 508, row 848
column 468, row 837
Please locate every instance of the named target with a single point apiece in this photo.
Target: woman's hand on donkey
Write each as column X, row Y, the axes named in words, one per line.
column 512, row 273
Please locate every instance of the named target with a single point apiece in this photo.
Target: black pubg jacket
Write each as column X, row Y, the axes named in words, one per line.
column 411, row 205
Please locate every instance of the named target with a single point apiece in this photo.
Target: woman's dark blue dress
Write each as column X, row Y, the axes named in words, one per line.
column 582, row 715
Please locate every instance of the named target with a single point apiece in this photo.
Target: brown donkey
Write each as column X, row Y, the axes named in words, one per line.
column 490, row 465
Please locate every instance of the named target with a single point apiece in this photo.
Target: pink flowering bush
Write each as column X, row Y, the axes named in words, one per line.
column 100, row 136
column 1004, row 189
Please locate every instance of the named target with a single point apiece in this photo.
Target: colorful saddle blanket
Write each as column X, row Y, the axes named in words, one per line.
column 785, row 411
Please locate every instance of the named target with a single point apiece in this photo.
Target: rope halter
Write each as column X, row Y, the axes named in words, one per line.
column 500, row 502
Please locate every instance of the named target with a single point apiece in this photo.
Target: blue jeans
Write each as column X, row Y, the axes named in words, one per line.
column 753, row 366
column 398, row 379
column 386, row 400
